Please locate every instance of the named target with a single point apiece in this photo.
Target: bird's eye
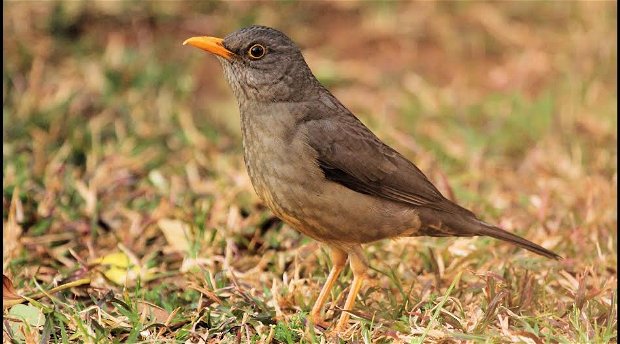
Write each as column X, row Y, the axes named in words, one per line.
column 257, row 51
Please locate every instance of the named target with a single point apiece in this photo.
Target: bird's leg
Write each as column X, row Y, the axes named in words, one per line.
column 359, row 268
column 339, row 258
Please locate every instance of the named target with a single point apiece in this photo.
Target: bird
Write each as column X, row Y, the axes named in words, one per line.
column 321, row 170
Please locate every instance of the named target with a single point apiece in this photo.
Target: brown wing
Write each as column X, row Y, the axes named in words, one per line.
column 350, row 154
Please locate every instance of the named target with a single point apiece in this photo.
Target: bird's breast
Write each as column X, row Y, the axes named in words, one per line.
column 280, row 163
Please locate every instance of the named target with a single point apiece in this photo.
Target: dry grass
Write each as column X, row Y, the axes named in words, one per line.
column 124, row 187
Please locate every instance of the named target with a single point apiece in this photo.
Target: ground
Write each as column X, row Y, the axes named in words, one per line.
column 128, row 215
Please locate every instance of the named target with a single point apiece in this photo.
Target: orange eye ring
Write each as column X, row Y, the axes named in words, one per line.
column 257, row 51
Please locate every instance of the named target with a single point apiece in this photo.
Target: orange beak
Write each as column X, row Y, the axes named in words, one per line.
column 213, row 45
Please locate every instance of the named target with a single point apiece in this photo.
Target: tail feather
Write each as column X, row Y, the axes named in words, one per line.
column 463, row 223
column 498, row 233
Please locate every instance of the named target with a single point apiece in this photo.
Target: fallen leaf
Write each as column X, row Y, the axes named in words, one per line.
column 118, row 268
column 160, row 314
column 211, row 295
column 177, row 234
column 9, row 294
column 30, row 319
column 29, row 314
column 11, row 229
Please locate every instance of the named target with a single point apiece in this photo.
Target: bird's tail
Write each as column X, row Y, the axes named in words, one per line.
column 483, row 228
column 466, row 224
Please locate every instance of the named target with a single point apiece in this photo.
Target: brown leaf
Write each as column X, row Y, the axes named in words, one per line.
column 160, row 314
column 207, row 293
column 12, row 230
column 9, row 294
column 177, row 233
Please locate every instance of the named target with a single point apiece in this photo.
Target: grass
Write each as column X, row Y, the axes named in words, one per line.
column 128, row 215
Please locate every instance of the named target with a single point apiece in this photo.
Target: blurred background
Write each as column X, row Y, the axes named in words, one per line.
column 116, row 137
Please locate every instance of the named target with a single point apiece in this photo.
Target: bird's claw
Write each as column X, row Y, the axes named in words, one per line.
column 319, row 323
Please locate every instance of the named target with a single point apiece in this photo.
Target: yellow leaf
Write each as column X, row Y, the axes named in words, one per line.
column 118, row 268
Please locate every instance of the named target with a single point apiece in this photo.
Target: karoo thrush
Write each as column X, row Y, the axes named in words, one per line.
column 323, row 172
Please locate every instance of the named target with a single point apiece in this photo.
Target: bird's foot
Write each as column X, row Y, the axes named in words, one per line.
column 343, row 323
column 318, row 322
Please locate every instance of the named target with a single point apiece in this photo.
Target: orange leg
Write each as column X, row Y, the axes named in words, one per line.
column 339, row 258
column 359, row 268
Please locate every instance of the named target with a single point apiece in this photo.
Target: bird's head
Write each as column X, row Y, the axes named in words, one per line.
column 261, row 64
